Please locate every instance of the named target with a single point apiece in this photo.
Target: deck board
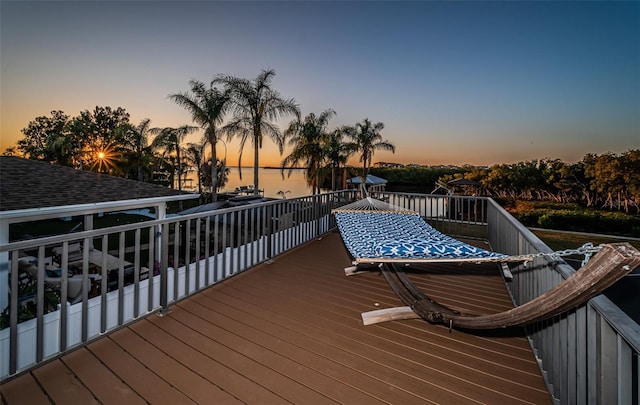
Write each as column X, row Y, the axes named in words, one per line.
column 61, row 385
column 23, row 390
column 291, row 332
column 105, row 386
column 141, row 379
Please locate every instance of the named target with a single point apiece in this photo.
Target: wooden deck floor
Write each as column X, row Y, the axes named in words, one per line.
column 291, row 332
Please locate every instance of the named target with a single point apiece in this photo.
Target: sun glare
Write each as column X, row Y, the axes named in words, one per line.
column 103, row 161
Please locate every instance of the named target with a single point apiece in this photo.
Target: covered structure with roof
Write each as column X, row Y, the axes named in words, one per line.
column 32, row 190
column 373, row 183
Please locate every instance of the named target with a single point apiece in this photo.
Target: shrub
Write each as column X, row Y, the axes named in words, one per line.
column 573, row 218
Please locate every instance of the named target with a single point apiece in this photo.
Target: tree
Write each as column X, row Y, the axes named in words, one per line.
column 207, row 107
column 94, row 138
column 631, row 174
column 366, row 139
column 307, row 139
column 10, row 151
column 337, row 153
column 255, row 105
column 170, row 140
column 134, row 145
column 194, row 156
column 222, row 171
column 41, row 134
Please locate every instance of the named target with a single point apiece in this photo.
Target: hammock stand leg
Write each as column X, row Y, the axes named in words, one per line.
column 417, row 304
column 388, row 314
column 358, row 268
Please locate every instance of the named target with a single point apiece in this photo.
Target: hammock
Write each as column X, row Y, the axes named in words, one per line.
column 376, row 232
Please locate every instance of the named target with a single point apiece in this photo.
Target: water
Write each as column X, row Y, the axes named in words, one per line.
column 270, row 180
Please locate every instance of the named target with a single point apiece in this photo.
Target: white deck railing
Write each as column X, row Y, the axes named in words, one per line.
column 586, row 356
column 145, row 267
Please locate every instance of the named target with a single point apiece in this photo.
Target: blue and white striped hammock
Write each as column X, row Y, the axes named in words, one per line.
column 376, row 232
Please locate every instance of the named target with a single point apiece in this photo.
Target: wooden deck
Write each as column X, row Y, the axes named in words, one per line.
column 291, row 332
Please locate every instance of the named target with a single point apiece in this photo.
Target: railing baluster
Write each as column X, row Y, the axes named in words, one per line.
column 187, row 258
column 207, row 249
column 176, row 260
column 64, row 265
column 152, row 264
column 13, row 313
column 121, row 240
column 232, row 229
column 136, row 275
column 164, row 260
column 197, row 254
column 216, row 243
column 104, row 281
column 224, row 245
column 247, row 224
column 40, row 302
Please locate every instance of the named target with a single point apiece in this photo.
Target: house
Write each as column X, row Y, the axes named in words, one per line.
column 32, row 190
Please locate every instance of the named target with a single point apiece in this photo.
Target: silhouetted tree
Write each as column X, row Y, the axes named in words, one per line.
column 255, row 105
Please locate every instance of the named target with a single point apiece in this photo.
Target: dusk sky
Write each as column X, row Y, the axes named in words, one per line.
column 453, row 82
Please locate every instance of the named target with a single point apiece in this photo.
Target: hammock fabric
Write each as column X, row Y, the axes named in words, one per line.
column 377, row 232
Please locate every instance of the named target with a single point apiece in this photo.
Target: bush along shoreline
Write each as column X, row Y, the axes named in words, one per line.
column 572, row 217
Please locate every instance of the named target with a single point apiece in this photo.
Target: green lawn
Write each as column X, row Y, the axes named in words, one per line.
column 561, row 240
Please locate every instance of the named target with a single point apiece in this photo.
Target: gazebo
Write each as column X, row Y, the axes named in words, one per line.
column 373, row 183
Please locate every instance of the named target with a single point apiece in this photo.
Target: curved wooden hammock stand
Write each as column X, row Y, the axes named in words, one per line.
column 612, row 263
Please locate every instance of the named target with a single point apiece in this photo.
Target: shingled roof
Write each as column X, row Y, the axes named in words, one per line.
column 26, row 184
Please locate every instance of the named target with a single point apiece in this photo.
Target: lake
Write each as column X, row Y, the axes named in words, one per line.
column 271, row 181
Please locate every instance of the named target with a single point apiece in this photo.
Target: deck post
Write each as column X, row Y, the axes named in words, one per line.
column 269, row 232
column 4, row 264
column 161, row 213
column 164, row 261
column 317, row 211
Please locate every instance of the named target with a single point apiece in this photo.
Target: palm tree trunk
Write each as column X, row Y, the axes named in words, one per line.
column 179, row 174
column 214, row 169
column 344, row 178
column 364, row 174
column 179, row 168
column 333, row 178
column 255, row 168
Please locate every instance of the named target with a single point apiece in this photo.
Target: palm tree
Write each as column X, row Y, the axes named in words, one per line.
column 207, row 107
column 222, row 171
column 135, row 144
column 170, row 140
column 307, row 139
column 194, row 156
column 366, row 139
column 255, row 105
column 337, row 152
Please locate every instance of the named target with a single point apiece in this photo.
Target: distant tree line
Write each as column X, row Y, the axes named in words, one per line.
column 104, row 140
column 609, row 180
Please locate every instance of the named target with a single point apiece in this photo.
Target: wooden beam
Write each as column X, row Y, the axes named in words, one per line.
column 388, row 314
